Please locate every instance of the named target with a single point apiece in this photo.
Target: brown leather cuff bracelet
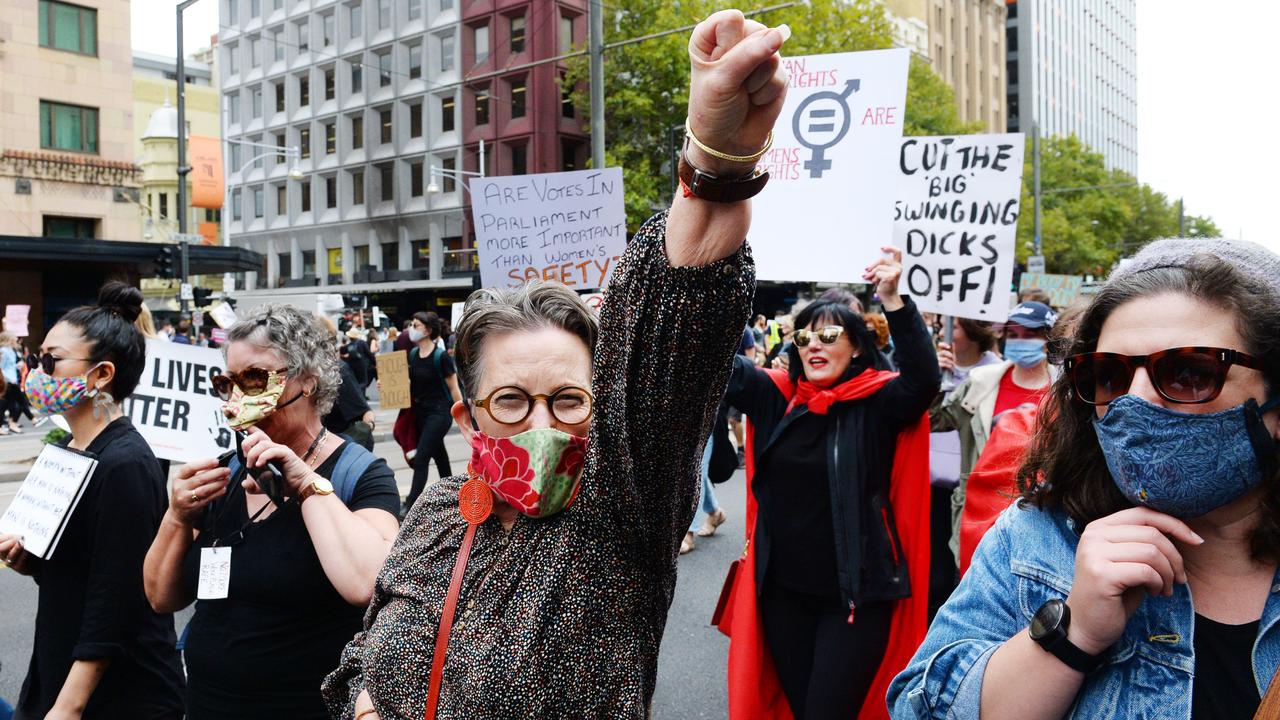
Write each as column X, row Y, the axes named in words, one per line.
column 707, row 186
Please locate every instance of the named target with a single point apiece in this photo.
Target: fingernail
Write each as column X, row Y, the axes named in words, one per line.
column 785, row 30
column 1199, row 540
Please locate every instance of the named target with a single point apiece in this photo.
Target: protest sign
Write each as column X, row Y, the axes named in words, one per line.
column 594, row 301
column 455, row 314
column 393, row 380
column 223, row 314
column 827, row 209
column 175, row 406
column 570, row 227
column 956, row 221
column 15, row 319
column 46, row 499
column 1063, row 289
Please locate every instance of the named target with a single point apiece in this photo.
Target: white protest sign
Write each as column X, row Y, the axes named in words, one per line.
column 46, row 499
column 570, row 227
column 175, row 406
column 455, row 314
column 223, row 315
column 956, row 221
column 15, row 319
column 827, row 209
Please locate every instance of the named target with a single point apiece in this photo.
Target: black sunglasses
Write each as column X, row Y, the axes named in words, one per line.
column 48, row 362
column 1186, row 375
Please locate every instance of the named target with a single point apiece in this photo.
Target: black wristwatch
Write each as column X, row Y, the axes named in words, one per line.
column 1049, row 630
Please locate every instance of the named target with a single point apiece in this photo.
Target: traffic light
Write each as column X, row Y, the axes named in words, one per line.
column 164, row 262
column 200, row 296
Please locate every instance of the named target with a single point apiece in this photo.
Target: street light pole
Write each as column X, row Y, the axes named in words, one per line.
column 1035, row 164
column 595, row 18
column 183, row 169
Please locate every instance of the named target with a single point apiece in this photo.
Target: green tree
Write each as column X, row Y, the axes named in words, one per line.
column 931, row 104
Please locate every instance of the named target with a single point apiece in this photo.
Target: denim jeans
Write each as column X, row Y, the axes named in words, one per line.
column 708, row 505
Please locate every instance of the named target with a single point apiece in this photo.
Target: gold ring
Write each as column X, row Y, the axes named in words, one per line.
column 195, row 498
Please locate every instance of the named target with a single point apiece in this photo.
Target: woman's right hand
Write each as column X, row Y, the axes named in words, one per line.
column 1120, row 557
column 14, row 555
column 365, row 703
column 198, row 483
column 946, row 357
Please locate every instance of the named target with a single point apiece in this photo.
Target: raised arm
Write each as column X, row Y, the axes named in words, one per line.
column 908, row 396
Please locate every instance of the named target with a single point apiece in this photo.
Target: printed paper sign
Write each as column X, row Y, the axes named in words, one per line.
column 828, row 207
column 393, row 380
column 46, row 499
column 1063, row 289
column 224, row 315
column 570, row 227
column 175, row 406
column 15, row 319
column 956, row 221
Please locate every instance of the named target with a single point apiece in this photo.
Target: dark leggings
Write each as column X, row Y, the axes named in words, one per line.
column 15, row 403
column 433, row 426
column 825, row 665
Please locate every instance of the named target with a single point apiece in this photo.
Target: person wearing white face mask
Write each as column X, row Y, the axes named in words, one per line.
column 433, row 385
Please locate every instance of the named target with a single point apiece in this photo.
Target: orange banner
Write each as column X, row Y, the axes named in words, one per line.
column 206, row 172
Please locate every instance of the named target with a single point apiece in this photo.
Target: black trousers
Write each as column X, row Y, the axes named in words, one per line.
column 943, row 574
column 432, row 426
column 825, row 665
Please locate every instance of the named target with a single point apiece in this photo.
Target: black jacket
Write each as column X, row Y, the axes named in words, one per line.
column 859, row 460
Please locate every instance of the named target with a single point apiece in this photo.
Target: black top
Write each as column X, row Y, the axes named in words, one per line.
column 804, row 540
column 351, row 404
column 359, row 358
column 262, row 652
column 91, row 603
column 426, row 387
column 1224, row 687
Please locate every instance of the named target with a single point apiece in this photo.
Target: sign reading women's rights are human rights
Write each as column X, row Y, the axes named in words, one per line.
column 567, row 227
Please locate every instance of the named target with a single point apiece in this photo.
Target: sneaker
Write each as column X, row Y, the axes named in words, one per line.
column 40, row 421
column 686, row 545
column 713, row 521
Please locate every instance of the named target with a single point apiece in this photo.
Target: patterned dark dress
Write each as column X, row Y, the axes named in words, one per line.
column 562, row 617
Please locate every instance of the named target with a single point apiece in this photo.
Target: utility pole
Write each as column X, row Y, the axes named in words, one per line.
column 1035, row 164
column 595, row 18
column 183, row 169
column 1182, row 220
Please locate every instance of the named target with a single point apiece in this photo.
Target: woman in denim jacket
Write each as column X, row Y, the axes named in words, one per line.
column 1152, row 480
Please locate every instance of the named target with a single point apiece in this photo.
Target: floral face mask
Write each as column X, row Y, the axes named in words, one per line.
column 245, row 411
column 537, row 472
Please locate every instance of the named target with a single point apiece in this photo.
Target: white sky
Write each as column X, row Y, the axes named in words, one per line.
column 1207, row 101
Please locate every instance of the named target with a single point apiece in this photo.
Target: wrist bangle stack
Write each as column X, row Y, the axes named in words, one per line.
column 688, row 132
column 365, row 713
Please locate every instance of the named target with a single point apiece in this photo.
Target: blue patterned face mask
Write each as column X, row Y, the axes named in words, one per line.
column 1185, row 464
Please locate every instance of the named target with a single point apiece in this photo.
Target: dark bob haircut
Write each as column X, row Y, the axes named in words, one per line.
column 108, row 328
column 834, row 312
column 430, row 321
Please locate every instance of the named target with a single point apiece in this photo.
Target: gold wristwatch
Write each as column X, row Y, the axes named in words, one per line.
column 319, row 486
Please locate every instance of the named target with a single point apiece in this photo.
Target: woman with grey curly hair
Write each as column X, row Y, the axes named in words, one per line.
column 280, row 575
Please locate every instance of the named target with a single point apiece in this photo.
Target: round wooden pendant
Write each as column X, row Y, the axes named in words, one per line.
column 475, row 501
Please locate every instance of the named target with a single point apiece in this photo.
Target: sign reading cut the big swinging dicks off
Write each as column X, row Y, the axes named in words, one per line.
column 828, row 207
column 175, row 406
column 569, row 227
column 956, row 221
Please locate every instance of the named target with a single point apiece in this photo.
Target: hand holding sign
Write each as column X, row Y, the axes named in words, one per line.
column 884, row 274
column 13, row 554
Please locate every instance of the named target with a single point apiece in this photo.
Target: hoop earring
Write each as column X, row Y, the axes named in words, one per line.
column 103, row 404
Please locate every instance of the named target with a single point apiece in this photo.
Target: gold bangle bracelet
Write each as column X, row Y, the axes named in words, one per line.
column 365, row 713
column 688, row 131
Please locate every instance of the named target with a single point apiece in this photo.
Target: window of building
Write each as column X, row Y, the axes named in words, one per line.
column 482, row 42
column 415, row 120
column 258, row 157
column 277, row 4
column 357, row 75
column 255, row 52
column 482, row 106
column 447, row 107
column 457, row 256
column 233, row 12
column 233, row 108
column 391, row 256
column 357, row 20
column 309, row 262
column 568, row 155
column 304, row 142
column 384, row 14
column 446, row 5
column 566, row 97
column 517, row 35
column 306, row 195
column 69, row 227
column 420, row 253
column 415, row 9
column 212, row 216
column 68, row 127
column 164, row 205
column 357, row 132
column 520, row 159
column 384, row 120
column 388, row 182
column 233, row 59
column 237, row 210
column 259, row 204
column 277, row 44
column 331, row 192
column 280, row 96
column 384, row 68
column 255, row 104
column 566, row 35
column 304, row 90
column 357, row 187
column 304, row 36
column 281, row 141
column 284, row 261
column 330, row 84
column 330, row 138
column 518, row 97
column 448, row 182
column 327, row 30
column 415, row 179
column 415, row 61
column 446, row 52
column 282, row 200
column 255, row 9
column 235, row 156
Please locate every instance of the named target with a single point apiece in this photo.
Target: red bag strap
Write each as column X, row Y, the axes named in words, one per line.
column 446, row 622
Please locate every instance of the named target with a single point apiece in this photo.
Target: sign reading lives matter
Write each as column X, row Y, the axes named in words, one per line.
column 175, row 406
column 827, row 209
column 570, row 227
column 956, row 220
column 46, row 499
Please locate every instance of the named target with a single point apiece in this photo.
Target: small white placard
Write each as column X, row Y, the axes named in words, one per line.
column 46, row 499
column 215, row 573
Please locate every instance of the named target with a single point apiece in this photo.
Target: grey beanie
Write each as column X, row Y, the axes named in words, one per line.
column 1254, row 261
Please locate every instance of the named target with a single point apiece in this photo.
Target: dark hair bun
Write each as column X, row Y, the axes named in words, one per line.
column 124, row 300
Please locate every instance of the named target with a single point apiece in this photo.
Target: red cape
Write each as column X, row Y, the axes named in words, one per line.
column 993, row 483
column 754, row 690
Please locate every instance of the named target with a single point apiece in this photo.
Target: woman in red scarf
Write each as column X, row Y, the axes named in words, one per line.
column 835, row 582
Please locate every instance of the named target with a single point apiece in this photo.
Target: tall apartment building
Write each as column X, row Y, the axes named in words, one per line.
column 375, row 93
column 964, row 42
column 1073, row 71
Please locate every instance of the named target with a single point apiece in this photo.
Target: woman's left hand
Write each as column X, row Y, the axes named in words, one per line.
column 259, row 449
column 885, row 274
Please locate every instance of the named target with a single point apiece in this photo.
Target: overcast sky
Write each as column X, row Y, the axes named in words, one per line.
column 1207, row 103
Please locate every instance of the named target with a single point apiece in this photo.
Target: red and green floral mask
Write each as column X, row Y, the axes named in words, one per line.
column 536, row 472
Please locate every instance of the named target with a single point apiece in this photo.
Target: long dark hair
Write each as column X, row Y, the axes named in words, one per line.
column 108, row 328
column 837, row 313
column 1064, row 466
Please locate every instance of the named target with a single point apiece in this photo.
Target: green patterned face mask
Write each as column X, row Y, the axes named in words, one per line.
column 536, row 472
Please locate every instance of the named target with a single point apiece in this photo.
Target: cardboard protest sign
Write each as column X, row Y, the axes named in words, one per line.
column 1063, row 289
column 46, row 499
column 827, row 209
column 570, row 227
column 956, row 221
column 175, row 406
column 393, row 380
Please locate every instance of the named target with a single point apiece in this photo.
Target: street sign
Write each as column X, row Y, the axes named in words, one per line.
column 193, row 238
column 186, row 293
column 197, row 318
column 1035, row 264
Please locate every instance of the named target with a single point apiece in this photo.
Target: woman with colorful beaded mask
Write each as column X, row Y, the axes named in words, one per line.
column 1138, row 576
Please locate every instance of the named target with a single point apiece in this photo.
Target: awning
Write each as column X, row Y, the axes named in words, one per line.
column 139, row 256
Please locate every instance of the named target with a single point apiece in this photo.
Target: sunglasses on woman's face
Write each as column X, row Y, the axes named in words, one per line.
column 827, row 335
column 1186, row 375
column 251, row 381
column 48, row 362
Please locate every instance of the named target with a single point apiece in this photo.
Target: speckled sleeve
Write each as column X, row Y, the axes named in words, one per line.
column 667, row 340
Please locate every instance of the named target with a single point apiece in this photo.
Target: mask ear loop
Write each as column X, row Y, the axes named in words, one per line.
column 1264, row 445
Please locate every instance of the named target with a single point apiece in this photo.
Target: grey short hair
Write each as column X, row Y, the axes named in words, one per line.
column 307, row 346
column 532, row 306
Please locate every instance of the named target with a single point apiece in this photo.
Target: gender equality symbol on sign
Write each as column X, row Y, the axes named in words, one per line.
column 821, row 132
